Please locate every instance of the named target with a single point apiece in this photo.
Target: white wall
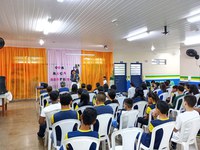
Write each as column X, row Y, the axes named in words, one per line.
column 145, row 57
column 189, row 65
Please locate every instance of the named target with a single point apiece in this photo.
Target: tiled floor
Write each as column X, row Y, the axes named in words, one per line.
column 19, row 126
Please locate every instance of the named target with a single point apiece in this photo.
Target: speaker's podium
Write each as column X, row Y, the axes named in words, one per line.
column 3, row 101
column 42, row 86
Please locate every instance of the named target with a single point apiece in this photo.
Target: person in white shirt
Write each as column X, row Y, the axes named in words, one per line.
column 131, row 91
column 189, row 114
column 54, row 106
column 104, row 80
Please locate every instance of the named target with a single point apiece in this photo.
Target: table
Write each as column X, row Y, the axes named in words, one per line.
column 4, row 103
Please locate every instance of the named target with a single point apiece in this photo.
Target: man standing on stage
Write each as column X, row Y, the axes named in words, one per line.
column 74, row 77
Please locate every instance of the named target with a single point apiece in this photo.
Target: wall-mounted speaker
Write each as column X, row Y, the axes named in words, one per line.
column 2, row 85
column 2, row 42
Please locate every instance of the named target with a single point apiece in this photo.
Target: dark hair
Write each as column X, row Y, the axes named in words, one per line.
column 175, row 87
column 112, row 93
column 65, row 99
column 74, row 88
column 162, row 106
column 83, row 85
column 139, row 93
column 89, row 116
column 72, row 71
column 128, row 102
column 97, row 84
column 89, row 87
column 62, row 84
column 104, row 77
column 190, row 100
column 144, row 86
column 49, row 89
column 113, row 87
column 163, row 87
column 54, row 95
column 182, row 83
column 193, row 89
column 153, row 81
column 80, row 91
column 100, row 89
column 101, row 97
column 85, row 98
column 180, row 88
column 154, row 96
column 105, row 87
column 157, row 84
column 187, row 86
column 167, row 82
column 132, row 84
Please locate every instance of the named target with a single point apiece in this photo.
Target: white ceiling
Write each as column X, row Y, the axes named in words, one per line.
column 88, row 23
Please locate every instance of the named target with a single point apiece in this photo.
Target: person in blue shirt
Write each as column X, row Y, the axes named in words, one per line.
column 88, row 118
column 100, row 107
column 63, row 88
column 161, row 112
column 65, row 113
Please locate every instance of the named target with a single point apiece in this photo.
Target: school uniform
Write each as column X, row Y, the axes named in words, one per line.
column 63, row 89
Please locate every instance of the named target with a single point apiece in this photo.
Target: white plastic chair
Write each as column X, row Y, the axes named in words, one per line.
column 174, row 112
column 129, row 139
column 91, row 96
column 128, row 119
column 115, row 107
column 75, row 102
column 141, row 107
column 82, row 108
column 63, row 92
column 105, row 121
column 145, row 92
column 43, row 102
column 81, row 143
column 146, row 127
column 74, row 96
column 197, row 97
column 66, row 126
column 167, row 132
column 49, row 128
column 120, row 99
column 156, row 91
column 187, row 135
column 163, row 96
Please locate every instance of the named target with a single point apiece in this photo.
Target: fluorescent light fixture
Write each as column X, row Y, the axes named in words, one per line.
column 69, row 54
column 60, row 1
column 192, row 40
column 45, row 26
column 152, row 48
column 195, row 18
column 41, row 41
column 136, row 32
column 139, row 36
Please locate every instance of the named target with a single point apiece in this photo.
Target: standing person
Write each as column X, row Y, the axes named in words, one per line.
column 104, row 80
column 131, row 90
column 74, row 77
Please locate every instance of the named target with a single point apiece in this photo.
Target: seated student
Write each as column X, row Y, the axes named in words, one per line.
column 105, row 87
column 153, row 85
column 88, row 118
column 96, row 89
column 48, row 90
column 180, row 93
column 74, row 89
column 131, row 90
column 167, row 83
column 100, row 89
column 163, row 89
column 83, row 86
column 100, row 107
column 193, row 89
column 188, row 103
column 114, row 87
column 139, row 95
column 111, row 97
column 89, row 88
column 65, row 113
column 54, row 106
column 173, row 94
column 161, row 110
column 128, row 104
column 84, row 100
column 152, row 100
column 63, row 88
column 187, row 89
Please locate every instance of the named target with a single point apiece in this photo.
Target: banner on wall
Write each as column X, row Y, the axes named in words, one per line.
column 62, row 73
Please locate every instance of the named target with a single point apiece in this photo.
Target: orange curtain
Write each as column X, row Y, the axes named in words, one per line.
column 24, row 68
column 95, row 65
